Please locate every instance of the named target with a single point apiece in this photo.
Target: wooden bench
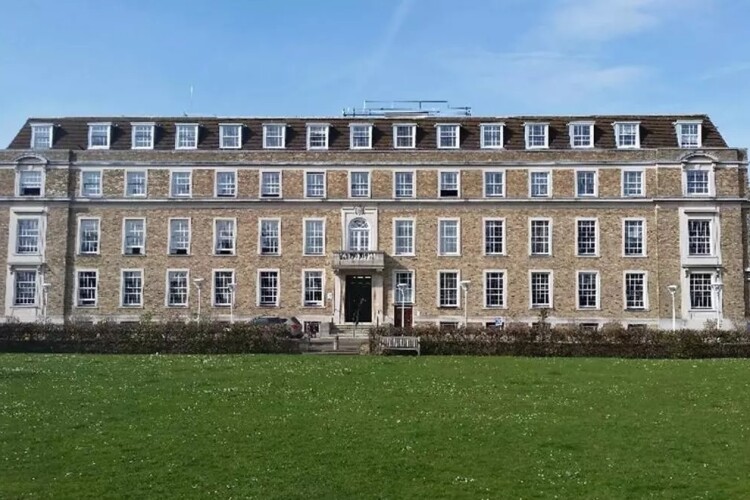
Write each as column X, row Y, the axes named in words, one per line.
column 400, row 344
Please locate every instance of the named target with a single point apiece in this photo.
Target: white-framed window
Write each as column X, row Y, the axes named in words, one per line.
column 41, row 135
column 181, row 184
column 491, row 135
column 448, row 135
column 404, row 135
column 224, row 236
column 136, row 183
column 698, row 180
column 274, row 135
column 701, row 291
column 699, row 237
column 588, row 290
column 315, row 184
column 448, row 284
column 494, row 236
column 230, row 135
column 494, row 183
column 587, row 236
column 403, row 184
column 586, row 183
column 540, row 237
column 25, row 287
column 449, row 237
column 270, row 184
column 635, row 290
column 30, row 182
column 406, row 294
column 537, row 135
column 27, row 236
column 689, row 133
column 314, row 237
column 627, row 135
column 99, row 135
column 494, row 289
column 178, row 287
column 179, row 236
column 88, row 236
column 540, row 185
column 359, row 184
column 540, row 287
column 312, row 281
column 91, row 183
column 632, row 183
column 134, row 236
column 87, row 287
column 450, row 184
column 581, row 135
column 359, row 235
column 403, row 236
column 360, row 135
column 186, row 136
column 131, row 288
column 270, row 236
column 634, row 237
column 317, row 135
column 223, row 284
column 226, row 183
column 268, row 287
column 142, row 136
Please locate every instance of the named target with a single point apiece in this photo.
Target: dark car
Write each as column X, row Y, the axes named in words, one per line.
column 292, row 324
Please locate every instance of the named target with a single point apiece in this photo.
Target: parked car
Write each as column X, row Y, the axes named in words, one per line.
column 292, row 324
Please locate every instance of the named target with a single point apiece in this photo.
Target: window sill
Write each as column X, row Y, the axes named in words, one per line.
column 310, row 306
column 175, row 306
column 179, row 255
column 130, row 307
column 88, row 308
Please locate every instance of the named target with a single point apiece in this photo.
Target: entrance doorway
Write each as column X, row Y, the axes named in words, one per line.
column 358, row 306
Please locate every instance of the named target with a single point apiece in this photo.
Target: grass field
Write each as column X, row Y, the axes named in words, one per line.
column 372, row 427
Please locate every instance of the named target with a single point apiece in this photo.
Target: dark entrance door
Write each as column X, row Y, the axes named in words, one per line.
column 405, row 312
column 358, row 299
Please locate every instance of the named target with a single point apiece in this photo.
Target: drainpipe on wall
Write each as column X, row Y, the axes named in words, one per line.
column 656, row 256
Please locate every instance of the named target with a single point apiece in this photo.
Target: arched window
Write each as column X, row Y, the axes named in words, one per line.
column 359, row 235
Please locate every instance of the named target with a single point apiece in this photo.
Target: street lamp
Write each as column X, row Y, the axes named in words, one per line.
column 45, row 299
column 232, row 288
column 672, row 289
column 402, row 294
column 465, row 288
column 198, row 282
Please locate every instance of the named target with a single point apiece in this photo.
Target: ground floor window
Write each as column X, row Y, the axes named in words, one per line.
column 223, row 283
column 25, row 288
column 177, row 288
column 635, row 291
column 313, row 283
column 494, row 287
column 404, row 294
column 700, row 291
column 540, row 289
column 132, row 288
column 587, row 290
column 268, row 288
column 87, row 288
column 448, row 288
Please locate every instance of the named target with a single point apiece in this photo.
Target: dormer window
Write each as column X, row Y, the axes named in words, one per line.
column 186, row 136
column 491, row 135
column 274, row 135
column 230, row 136
column 404, row 136
column 317, row 135
column 581, row 134
column 99, row 135
column 537, row 136
column 360, row 135
column 688, row 133
column 41, row 135
column 142, row 135
column 627, row 135
column 448, row 136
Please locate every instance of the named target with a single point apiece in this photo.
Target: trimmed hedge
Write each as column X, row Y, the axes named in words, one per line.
column 612, row 340
column 146, row 338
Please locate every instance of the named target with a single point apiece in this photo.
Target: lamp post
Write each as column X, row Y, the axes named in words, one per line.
column 232, row 288
column 465, row 288
column 402, row 291
column 672, row 289
column 45, row 299
column 198, row 282
column 717, row 289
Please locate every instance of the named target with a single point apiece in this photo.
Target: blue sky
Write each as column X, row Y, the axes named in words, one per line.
column 315, row 57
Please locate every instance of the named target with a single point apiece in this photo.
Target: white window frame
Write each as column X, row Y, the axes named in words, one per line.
column 134, row 127
column 551, row 286
column 445, row 127
column 305, row 220
column 35, row 128
column 597, row 247
column 458, row 183
column 313, row 304
column 714, row 298
column 82, row 193
column 91, row 134
column 186, row 126
column 167, row 289
column 42, row 180
column 260, row 235
column 413, row 174
column 169, row 235
column 351, row 185
column 596, row 182
column 125, row 237
column 485, row 220
column 598, row 296
column 680, row 136
column 232, row 251
column 413, row 244
column 548, row 172
column 122, row 288
column 39, row 233
column 618, row 133
column 623, row 173
column 644, row 236
column 232, row 294
column 266, row 127
column 278, row 196
column 457, row 305
column 500, row 171
column 223, row 129
column 549, row 222
column 172, row 193
column 145, row 183
column 712, row 237
column 527, row 135
column 483, row 143
column 504, row 294
column 571, row 133
column 625, row 290
column 413, row 136
column 310, row 127
column 307, row 185
column 397, row 300
column 701, row 167
column 352, row 128
column 77, row 302
column 258, row 292
column 441, row 220
column 219, row 171
column 37, row 276
column 79, row 235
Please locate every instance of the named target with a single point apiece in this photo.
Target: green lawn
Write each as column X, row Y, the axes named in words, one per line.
column 372, row 427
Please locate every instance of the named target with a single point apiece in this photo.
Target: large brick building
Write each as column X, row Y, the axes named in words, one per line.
column 592, row 219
